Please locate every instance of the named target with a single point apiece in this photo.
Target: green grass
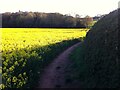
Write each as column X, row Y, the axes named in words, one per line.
column 77, row 72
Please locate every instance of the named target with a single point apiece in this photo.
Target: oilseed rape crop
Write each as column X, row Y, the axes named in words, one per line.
column 26, row 51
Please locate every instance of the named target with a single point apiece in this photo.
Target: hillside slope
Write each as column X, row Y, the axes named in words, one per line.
column 96, row 62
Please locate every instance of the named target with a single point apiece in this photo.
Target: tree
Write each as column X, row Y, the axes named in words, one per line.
column 35, row 19
column 88, row 21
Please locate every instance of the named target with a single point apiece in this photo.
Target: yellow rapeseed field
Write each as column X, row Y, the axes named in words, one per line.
column 22, row 38
column 24, row 50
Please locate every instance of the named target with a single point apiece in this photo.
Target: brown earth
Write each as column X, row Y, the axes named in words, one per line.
column 54, row 74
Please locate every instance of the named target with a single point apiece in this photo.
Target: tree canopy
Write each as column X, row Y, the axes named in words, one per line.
column 42, row 20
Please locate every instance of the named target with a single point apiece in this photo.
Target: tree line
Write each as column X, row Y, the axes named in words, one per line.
column 43, row 20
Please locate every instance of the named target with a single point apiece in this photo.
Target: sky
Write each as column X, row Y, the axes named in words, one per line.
column 81, row 7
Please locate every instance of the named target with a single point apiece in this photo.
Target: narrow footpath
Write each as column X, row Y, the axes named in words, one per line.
column 53, row 75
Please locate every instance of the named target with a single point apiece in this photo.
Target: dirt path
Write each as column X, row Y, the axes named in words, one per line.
column 53, row 75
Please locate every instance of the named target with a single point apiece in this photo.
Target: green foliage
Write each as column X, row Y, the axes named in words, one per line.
column 96, row 62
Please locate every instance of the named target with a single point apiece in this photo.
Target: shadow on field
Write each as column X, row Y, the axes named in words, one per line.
column 22, row 68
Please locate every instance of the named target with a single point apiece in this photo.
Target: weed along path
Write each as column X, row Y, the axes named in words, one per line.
column 53, row 75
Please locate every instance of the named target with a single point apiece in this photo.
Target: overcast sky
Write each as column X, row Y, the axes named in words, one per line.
column 81, row 7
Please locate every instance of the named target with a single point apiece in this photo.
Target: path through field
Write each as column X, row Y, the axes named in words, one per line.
column 53, row 75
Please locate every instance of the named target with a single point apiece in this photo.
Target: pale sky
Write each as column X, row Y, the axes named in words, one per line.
column 81, row 7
